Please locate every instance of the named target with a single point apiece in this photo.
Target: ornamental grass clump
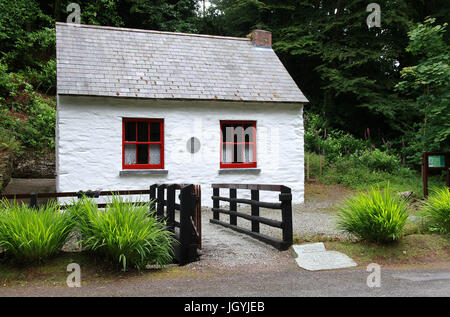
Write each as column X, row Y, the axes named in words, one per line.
column 436, row 210
column 32, row 235
column 125, row 233
column 377, row 216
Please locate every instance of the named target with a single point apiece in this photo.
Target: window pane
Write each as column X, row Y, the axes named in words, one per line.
column 238, row 155
column 142, row 131
column 130, row 131
column 248, row 133
column 227, row 131
column 238, row 134
column 130, row 154
column 155, row 134
column 142, row 154
column 155, row 154
column 226, row 153
column 249, row 153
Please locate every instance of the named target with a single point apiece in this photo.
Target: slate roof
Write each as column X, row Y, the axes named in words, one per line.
column 119, row 62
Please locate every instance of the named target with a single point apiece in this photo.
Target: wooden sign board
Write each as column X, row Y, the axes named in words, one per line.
column 434, row 161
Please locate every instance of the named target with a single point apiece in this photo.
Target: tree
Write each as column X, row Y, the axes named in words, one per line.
column 428, row 85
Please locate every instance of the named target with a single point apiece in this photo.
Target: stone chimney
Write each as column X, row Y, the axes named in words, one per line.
column 261, row 38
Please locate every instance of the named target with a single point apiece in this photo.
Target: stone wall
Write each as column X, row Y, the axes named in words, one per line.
column 35, row 165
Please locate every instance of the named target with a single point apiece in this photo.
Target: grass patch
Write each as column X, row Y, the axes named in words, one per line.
column 53, row 272
column 32, row 235
column 411, row 249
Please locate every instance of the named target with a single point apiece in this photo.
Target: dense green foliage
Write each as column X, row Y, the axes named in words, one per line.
column 124, row 233
column 8, row 142
column 428, row 84
column 393, row 79
column 30, row 235
column 350, row 172
column 335, row 156
column 377, row 216
column 437, row 210
column 348, row 71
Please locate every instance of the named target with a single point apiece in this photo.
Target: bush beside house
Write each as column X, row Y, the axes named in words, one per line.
column 125, row 234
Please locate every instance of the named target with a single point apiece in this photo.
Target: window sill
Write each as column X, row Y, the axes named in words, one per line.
column 239, row 171
column 143, row 172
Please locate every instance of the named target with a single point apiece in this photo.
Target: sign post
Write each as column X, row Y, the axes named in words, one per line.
column 434, row 161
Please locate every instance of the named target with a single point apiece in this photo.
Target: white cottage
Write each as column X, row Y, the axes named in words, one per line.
column 138, row 107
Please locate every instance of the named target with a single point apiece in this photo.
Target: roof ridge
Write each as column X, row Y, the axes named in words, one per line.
column 112, row 28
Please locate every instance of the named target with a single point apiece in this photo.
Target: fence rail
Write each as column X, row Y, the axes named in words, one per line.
column 285, row 205
column 188, row 233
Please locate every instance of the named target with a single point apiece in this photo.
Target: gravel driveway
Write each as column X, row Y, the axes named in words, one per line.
column 224, row 248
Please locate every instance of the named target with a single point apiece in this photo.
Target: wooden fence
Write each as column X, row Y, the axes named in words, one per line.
column 285, row 205
column 187, row 230
column 163, row 197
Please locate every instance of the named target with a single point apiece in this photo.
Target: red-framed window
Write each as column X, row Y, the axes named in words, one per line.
column 237, row 144
column 142, row 143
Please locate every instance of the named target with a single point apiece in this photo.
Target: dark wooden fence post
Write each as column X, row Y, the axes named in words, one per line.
column 198, row 214
column 255, row 210
column 160, row 202
column 152, row 197
column 171, row 207
column 216, row 192
column 233, row 206
column 187, row 204
column 286, row 215
column 34, row 200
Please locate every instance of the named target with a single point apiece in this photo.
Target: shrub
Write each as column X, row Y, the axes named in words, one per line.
column 9, row 142
column 44, row 76
column 314, row 164
column 38, row 130
column 377, row 160
column 436, row 210
column 330, row 142
column 30, row 235
column 33, row 124
column 377, row 216
column 126, row 233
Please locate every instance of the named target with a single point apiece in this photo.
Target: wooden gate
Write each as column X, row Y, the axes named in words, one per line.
column 187, row 226
column 285, row 206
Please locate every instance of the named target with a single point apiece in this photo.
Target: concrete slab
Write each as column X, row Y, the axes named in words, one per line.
column 307, row 248
column 314, row 257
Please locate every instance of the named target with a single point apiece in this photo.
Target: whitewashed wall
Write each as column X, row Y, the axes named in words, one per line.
column 89, row 144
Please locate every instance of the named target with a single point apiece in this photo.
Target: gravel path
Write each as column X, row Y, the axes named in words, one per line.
column 224, row 248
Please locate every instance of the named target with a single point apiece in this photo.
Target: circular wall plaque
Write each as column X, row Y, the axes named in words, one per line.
column 193, row 145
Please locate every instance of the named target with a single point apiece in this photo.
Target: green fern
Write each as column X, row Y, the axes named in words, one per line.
column 125, row 233
column 378, row 216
